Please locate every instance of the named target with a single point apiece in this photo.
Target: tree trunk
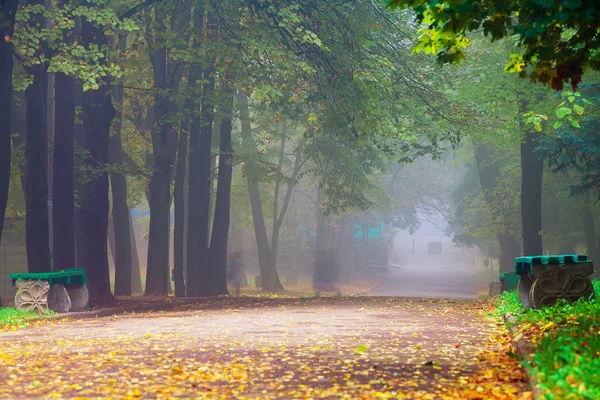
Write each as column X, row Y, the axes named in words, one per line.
column 18, row 127
column 9, row 8
column 179, row 224
column 220, row 227
column 268, row 270
column 79, row 175
column 63, row 182
column 111, row 241
column 36, row 160
column 532, row 171
column 164, row 146
column 509, row 250
column 587, row 216
column 488, row 171
column 199, row 281
column 136, row 276
column 120, row 214
column 321, row 258
column 93, row 218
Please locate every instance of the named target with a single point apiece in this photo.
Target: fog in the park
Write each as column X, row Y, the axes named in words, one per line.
column 306, row 199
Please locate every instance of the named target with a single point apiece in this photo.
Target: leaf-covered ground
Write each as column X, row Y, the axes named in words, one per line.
column 270, row 348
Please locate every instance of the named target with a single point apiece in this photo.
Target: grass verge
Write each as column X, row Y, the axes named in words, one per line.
column 11, row 318
column 566, row 338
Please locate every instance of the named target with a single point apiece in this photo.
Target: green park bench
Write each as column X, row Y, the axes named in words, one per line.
column 508, row 281
column 544, row 280
column 59, row 291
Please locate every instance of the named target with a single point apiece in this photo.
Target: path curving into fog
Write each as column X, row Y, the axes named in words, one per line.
column 450, row 275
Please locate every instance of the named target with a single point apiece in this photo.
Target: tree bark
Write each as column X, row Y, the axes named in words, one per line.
column 270, row 278
column 179, row 223
column 136, row 276
column 79, row 175
column 9, row 8
column 321, row 258
column 18, row 128
column 199, row 274
column 164, row 146
column 279, row 215
column 93, row 218
column 111, row 241
column 63, row 182
column 36, row 160
column 220, row 227
column 120, row 214
column 532, row 170
column 509, row 250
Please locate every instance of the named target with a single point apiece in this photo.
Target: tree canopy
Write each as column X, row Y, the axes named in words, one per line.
column 556, row 41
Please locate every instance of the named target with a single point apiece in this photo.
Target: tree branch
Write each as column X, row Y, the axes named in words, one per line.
column 132, row 11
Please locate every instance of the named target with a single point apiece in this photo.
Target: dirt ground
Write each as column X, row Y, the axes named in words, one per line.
column 269, row 348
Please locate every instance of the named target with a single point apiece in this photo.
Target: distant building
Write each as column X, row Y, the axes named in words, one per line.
column 429, row 244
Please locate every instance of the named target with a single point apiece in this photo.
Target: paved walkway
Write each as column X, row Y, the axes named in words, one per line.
column 305, row 348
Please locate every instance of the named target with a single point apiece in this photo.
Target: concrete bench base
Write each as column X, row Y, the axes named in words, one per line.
column 38, row 296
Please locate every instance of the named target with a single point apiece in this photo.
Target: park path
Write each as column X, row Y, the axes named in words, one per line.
column 269, row 348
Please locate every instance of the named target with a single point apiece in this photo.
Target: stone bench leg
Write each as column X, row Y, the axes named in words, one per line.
column 58, row 299
column 79, row 297
column 524, row 289
column 32, row 295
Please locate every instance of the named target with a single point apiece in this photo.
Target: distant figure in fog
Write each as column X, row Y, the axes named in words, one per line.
column 235, row 271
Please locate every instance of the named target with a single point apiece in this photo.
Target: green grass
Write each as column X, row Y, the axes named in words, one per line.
column 566, row 363
column 11, row 317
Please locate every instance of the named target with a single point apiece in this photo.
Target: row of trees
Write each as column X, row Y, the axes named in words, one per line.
column 169, row 100
column 510, row 201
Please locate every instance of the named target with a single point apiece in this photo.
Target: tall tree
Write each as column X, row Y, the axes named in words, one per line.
column 220, row 226
column 489, row 173
column 63, row 171
column 93, row 217
column 164, row 147
column 268, row 270
column 118, row 184
column 7, row 24
column 199, row 281
column 179, row 222
column 36, row 157
column 532, row 171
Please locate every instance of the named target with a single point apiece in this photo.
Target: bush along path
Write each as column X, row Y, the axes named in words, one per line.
column 565, row 340
column 270, row 348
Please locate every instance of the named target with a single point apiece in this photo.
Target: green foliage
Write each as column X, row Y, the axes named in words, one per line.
column 13, row 318
column 55, row 47
column 565, row 363
column 575, row 147
column 509, row 303
column 554, row 39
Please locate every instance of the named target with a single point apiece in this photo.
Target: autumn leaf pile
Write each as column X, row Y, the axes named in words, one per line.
column 270, row 348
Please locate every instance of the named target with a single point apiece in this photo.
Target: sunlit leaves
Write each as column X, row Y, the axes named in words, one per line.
column 553, row 37
column 61, row 52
